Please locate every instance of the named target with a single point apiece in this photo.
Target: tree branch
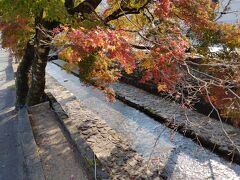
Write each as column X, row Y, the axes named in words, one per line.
column 122, row 11
column 86, row 6
column 141, row 47
column 69, row 4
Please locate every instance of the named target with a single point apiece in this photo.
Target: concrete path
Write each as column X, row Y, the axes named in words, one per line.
column 11, row 154
column 59, row 159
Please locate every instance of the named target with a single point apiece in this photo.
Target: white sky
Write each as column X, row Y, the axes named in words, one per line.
column 230, row 18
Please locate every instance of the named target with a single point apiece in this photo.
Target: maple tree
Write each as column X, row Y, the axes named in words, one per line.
column 155, row 38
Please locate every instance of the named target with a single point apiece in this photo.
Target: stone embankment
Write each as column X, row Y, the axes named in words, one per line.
column 215, row 135
column 106, row 154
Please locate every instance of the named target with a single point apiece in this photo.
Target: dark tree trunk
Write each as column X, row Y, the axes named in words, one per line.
column 22, row 76
column 36, row 56
column 36, row 92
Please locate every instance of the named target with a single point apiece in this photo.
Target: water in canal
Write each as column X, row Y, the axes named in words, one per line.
column 179, row 157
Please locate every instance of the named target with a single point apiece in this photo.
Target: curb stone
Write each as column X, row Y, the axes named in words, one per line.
column 30, row 150
column 202, row 129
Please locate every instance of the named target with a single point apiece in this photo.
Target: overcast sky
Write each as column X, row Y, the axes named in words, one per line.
column 232, row 17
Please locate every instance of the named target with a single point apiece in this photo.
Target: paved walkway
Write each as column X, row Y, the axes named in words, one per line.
column 11, row 154
column 59, row 159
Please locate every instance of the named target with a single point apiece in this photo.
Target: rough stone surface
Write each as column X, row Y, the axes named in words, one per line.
column 175, row 156
column 210, row 132
column 92, row 134
column 215, row 135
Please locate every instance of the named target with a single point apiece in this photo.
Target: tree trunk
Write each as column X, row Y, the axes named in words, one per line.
column 22, row 78
column 36, row 92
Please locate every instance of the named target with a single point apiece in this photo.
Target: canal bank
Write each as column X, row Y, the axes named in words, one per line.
column 177, row 156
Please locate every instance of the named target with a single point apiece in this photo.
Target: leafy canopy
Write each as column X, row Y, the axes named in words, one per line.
column 156, row 39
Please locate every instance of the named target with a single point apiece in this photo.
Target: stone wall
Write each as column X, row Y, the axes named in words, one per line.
column 215, row 135
column 99, row 145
